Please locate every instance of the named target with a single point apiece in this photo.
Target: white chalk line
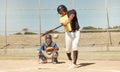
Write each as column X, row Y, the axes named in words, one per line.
column 25, row 69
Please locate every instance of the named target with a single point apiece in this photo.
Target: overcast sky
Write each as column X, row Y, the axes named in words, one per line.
column 26, row 14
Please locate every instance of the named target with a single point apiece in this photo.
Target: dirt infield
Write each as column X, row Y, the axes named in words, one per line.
column 34, row 66
column 95, row 55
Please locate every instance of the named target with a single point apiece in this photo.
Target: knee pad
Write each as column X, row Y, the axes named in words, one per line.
column 55, row 55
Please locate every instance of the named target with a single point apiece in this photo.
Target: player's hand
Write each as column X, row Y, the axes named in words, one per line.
column 49, row 49
column 64, row 24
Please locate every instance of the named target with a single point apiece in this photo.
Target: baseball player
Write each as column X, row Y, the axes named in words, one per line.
column 49, row 49
column 72, row 34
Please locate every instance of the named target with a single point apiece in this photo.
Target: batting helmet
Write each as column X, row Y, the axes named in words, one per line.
column 61, row 7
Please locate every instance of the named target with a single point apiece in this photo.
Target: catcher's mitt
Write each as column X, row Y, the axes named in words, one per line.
column 49, row 49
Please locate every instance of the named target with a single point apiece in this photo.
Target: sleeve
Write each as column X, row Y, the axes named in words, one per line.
column 54, row 45
column 42, row 48
column 73, row 11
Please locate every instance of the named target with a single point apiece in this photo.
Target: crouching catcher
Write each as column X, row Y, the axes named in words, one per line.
column 48, row 50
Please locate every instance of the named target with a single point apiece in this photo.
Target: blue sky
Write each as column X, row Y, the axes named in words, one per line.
column 26, row 14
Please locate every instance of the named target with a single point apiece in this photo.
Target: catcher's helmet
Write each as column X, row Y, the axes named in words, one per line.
column 48, row 39
column 48, row 36
column 61, row 7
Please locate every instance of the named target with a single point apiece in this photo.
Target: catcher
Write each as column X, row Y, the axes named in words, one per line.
column 48, row 50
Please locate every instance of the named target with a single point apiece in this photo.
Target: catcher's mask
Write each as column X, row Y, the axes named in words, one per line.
column 48, row 39
column 61, row 8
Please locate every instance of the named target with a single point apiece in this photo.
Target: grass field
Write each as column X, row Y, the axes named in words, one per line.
column 83, row 55
column 92, row 46
column 86, row 40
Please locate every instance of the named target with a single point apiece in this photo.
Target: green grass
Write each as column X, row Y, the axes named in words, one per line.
column 83, row 55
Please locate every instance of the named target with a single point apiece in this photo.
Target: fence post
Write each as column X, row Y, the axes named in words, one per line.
column 5, row 25
column 108, row 26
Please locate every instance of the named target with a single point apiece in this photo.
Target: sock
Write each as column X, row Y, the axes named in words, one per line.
column 69, row 56
column 75, row 56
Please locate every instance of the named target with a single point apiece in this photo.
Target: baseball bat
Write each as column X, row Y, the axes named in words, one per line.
column 49, row 31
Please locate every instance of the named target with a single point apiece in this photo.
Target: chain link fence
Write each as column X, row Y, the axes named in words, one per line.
column 22, row 21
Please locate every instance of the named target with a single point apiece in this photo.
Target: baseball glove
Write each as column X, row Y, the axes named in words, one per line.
column 49, row 49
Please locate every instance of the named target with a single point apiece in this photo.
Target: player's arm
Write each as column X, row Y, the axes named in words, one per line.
column 69, row 19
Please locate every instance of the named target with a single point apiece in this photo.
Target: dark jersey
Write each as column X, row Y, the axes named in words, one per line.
column 74, row 23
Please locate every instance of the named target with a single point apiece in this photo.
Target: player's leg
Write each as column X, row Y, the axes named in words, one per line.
column 42, row 57
column 55, row 57
column 75, row 57
column 75, row 48
column 68, row 40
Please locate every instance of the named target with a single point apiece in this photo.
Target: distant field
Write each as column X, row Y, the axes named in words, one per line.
column 92, row 46
column 86, row 40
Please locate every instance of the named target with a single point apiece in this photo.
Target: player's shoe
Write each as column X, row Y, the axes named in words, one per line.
column 54, row 61
column 73, row 66
column 70, row 62
column 43, row 62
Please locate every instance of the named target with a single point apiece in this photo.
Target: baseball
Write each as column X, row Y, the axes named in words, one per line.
column 55, row 36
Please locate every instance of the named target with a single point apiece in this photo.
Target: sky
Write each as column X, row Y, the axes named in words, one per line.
column 41, row 15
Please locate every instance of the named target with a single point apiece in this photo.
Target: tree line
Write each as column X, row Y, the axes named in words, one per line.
column 86, row 29
column 94, row 29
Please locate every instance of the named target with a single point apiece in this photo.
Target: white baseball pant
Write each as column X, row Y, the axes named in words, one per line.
column 72, row 39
